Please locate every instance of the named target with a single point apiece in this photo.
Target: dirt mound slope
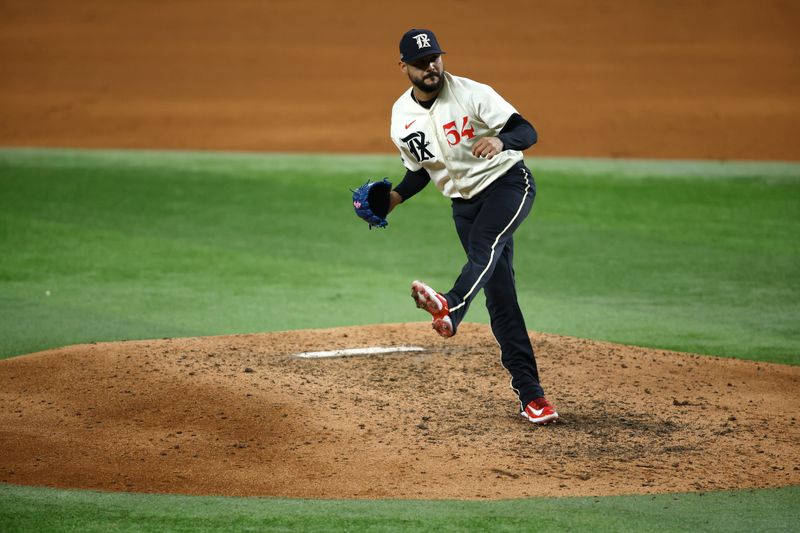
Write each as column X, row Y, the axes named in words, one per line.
column 240, row 415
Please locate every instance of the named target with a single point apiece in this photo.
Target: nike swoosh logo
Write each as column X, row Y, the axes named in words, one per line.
column 410, row 123
column 537, row 412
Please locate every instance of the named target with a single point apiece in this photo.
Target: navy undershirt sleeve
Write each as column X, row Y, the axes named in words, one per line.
column 517, row 134
column 413, row 182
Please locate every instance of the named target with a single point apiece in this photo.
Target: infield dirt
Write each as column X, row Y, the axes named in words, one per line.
column 239, row 415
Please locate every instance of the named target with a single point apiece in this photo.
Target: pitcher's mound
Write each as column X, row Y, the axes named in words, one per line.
column 242, row 415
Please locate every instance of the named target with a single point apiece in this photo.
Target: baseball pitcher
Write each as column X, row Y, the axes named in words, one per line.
column 467, row 140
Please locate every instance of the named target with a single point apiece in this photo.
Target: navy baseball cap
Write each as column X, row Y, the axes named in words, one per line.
column 418, row 43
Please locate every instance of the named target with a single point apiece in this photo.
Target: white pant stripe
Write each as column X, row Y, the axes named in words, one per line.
column 494, row 244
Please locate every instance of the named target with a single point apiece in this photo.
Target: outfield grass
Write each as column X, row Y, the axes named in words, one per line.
column 38, row 509
column 700, row 257
column 106, row 245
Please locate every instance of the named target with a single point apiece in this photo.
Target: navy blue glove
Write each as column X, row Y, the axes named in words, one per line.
column 371, row 202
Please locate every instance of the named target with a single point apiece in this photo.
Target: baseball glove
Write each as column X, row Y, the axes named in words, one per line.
column 371, row 202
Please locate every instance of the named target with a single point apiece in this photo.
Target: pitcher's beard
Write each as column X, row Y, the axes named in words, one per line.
column 426, row 88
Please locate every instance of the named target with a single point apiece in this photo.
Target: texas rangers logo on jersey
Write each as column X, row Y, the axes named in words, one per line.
column 422, row 41
column 418, row 145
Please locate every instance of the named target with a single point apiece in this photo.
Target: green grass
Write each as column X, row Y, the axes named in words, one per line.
column 706, row 263
column 39, row 509
column 105, row 245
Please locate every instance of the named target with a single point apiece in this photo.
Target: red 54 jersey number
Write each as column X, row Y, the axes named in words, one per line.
column 452, row 132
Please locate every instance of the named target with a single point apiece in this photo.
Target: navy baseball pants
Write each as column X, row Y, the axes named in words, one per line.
column 486, row 225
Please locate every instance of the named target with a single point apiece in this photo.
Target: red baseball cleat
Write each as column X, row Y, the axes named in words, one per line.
column 443, row 326
column 434, row 303
column 540, row 411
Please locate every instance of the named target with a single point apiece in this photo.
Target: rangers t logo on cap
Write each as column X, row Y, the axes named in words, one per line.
column 418, row 43
column 422, row 40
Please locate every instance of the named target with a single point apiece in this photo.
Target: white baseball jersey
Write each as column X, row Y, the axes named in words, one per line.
column 440, row 139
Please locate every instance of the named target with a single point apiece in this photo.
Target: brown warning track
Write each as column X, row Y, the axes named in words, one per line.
column 715, row 79
column 238, row 415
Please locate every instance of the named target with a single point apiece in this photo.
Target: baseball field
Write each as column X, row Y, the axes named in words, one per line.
column 177, row 238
